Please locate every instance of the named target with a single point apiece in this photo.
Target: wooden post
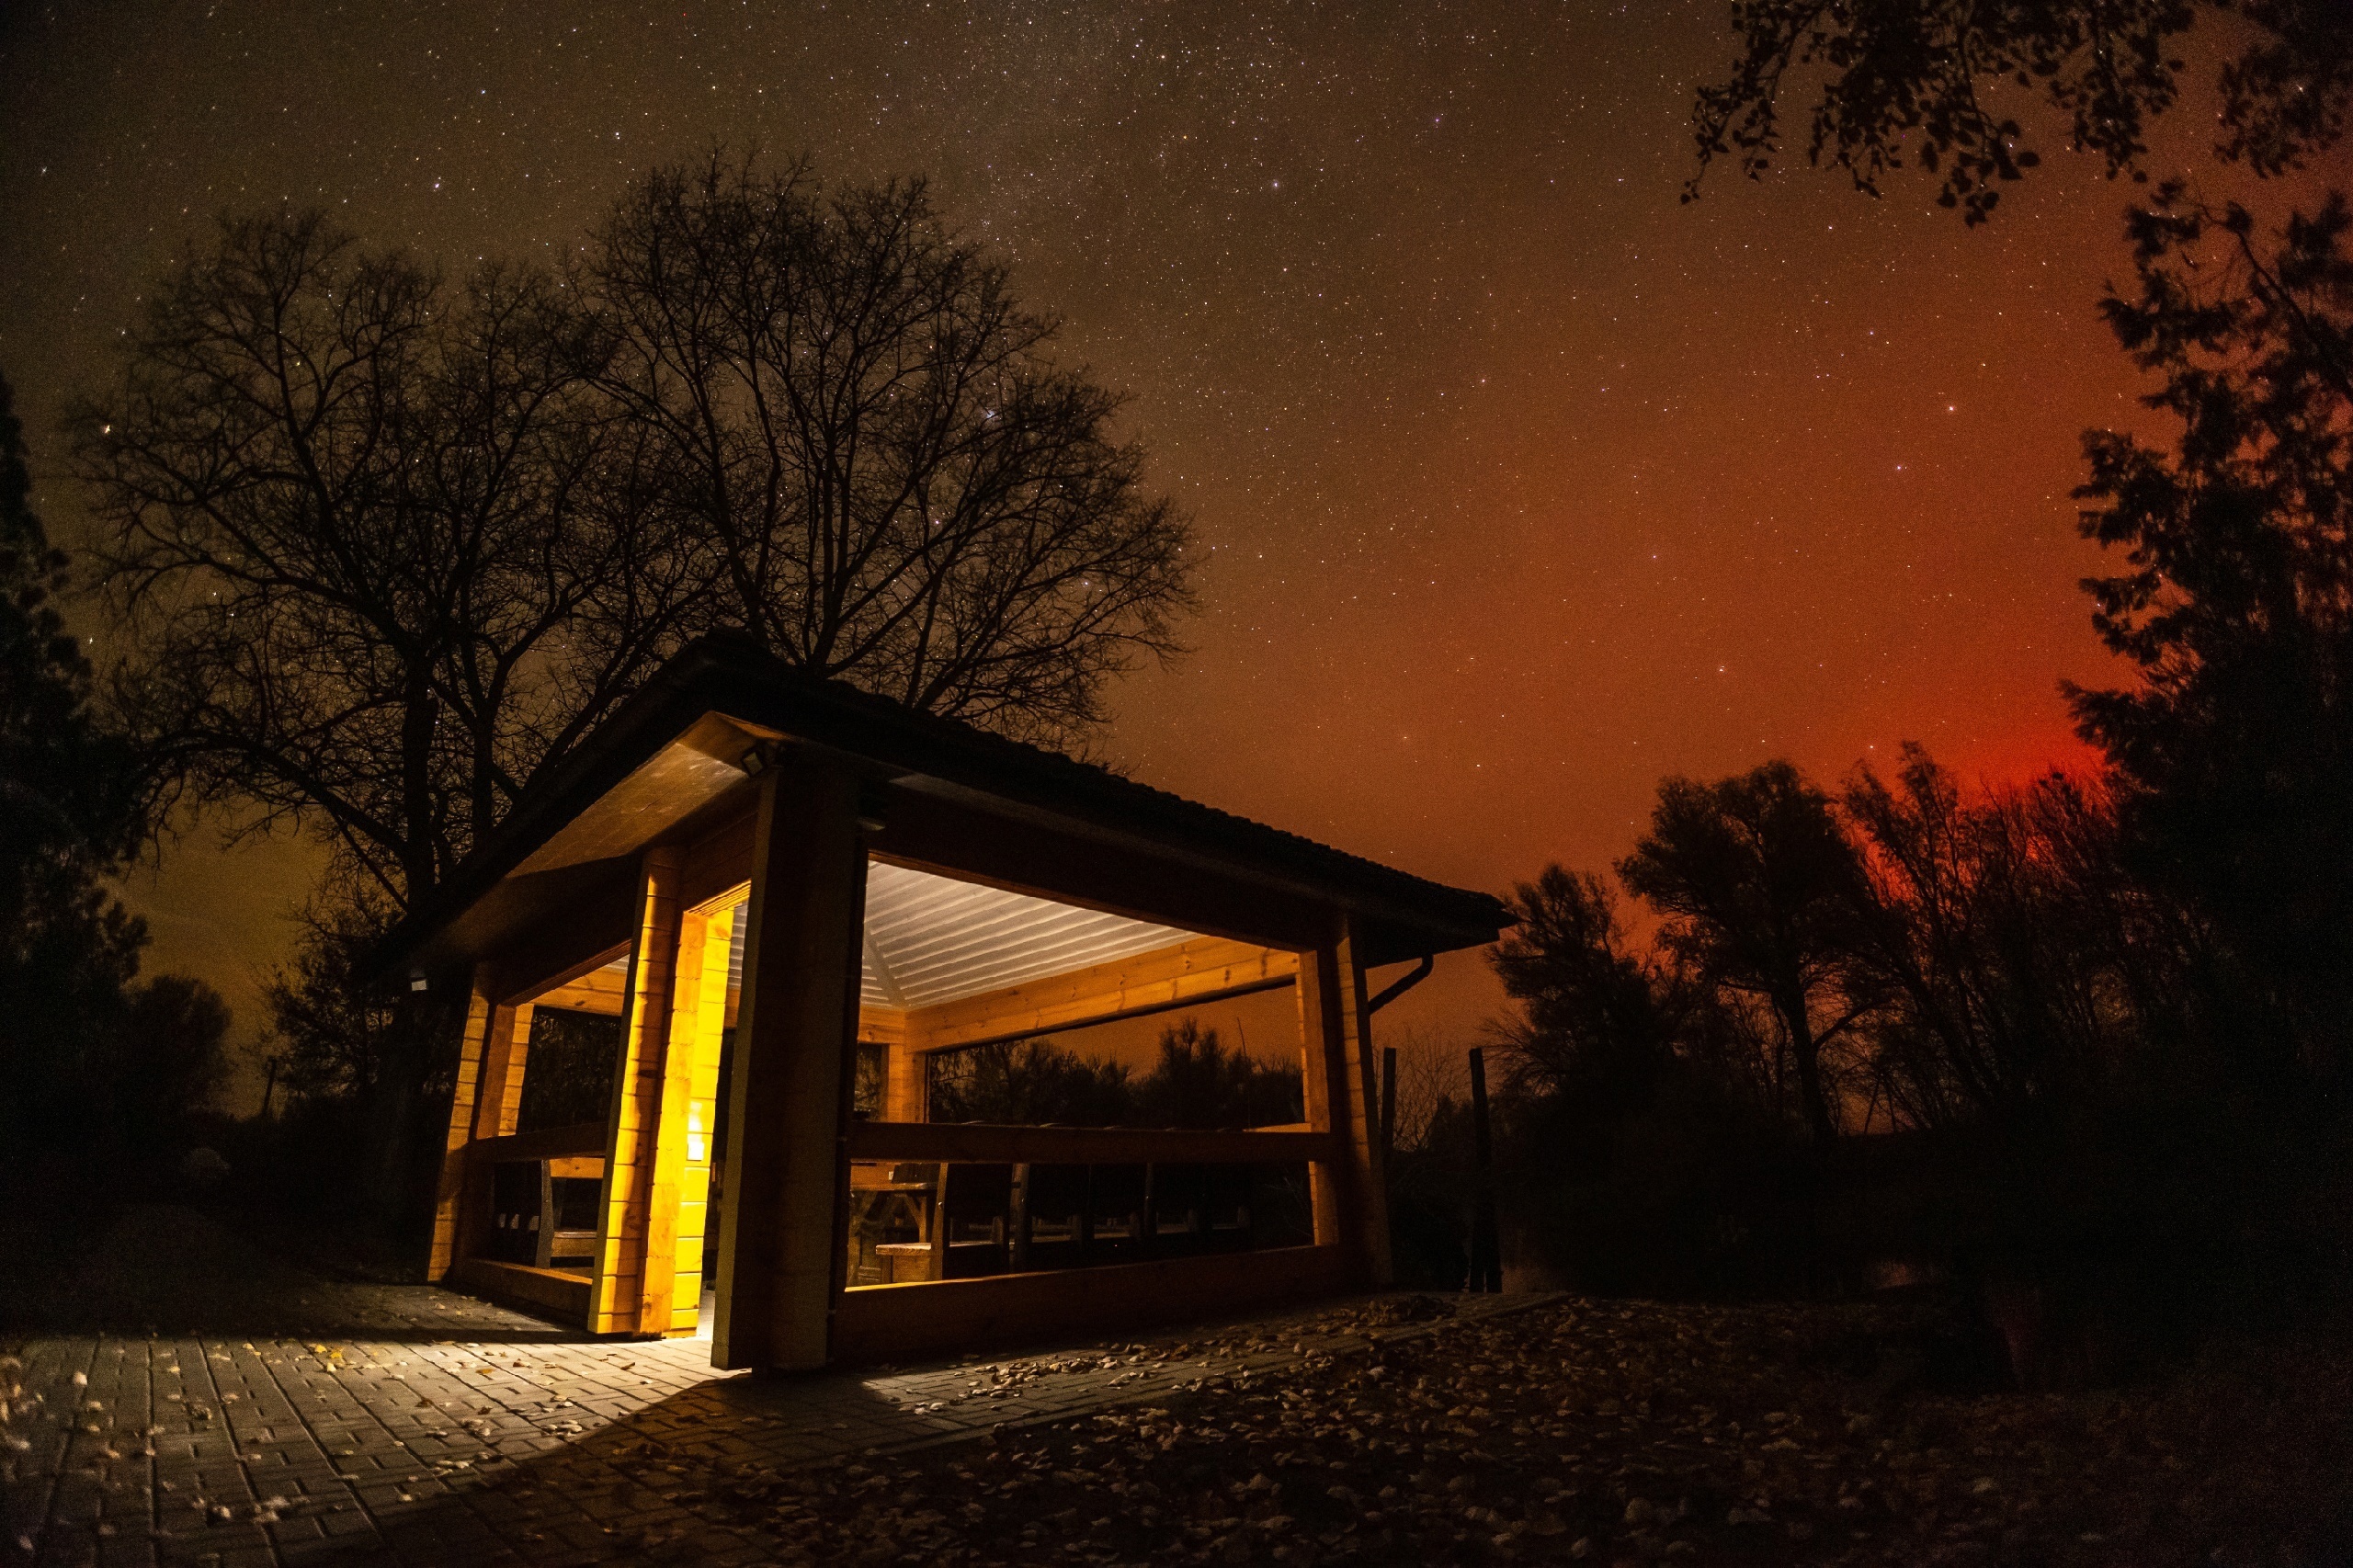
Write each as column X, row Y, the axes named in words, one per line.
column 783, row 1234
column 1388, row 1105
column 450, row 1191
column 1370, row 1177
column 1350, row 1204
column 622, row 1240
column 935, row 1262
column 504, row 1060
column 1325, row 1181
column 1018, row 1258
column 1487, row 1251
column 902, row 1083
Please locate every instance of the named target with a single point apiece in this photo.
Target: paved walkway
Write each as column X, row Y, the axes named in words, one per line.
column 435, row 1429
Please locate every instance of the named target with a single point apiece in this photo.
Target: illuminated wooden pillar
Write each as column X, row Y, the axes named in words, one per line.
column 505, row 1058
column 637, row 1101
column 1348, row 1195
column 782, row 1229
column 702, row 1121
column 671, row 1294
column 449, row 1190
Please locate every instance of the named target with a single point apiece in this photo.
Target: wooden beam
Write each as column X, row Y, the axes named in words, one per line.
column 547, row 1143
column 622, row 1238
column 930, row 1142
column 563, row 947
column 603, row 989
column 1199, row 968
column 783, row 1231
column 900, row 1322
column 449, row 1189
column 561, row 1293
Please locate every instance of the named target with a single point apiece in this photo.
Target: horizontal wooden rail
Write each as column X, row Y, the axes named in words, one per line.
column 900, row 1322
column 548, row 1143
column 934, row 1142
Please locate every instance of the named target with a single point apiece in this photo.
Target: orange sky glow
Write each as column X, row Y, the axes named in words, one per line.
column 1520, row 482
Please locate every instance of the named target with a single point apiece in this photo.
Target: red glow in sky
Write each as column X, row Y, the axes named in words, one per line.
column 1524, row 483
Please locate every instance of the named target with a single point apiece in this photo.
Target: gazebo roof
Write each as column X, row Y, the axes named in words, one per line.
column 678, row 758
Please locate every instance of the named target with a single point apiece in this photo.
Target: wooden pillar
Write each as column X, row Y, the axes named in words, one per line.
column 636, row 1120
column 1350, row 1197
column 505, row 1058
column 782, row 1234
column 1368, row 1177
column 698, row 1020
column 450, row 1189
column 902, row 1083
column 1318, row 1078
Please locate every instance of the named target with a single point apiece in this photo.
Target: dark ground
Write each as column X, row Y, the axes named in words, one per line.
column 1627, row 1432
column 1565, row 1430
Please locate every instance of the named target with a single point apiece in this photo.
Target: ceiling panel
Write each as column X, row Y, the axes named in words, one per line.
column 931, row 939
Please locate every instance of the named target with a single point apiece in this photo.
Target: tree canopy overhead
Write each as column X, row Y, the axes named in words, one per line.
column 1932, row 82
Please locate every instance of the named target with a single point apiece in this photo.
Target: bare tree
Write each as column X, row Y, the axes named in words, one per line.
column 379, row 555
column 897, row 485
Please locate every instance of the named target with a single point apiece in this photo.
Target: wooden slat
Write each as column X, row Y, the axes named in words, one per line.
column 980, row 1143
column 900, row 1322
column 1197, row 970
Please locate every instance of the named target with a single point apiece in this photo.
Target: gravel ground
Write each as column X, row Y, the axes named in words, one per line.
column 1612, row 1432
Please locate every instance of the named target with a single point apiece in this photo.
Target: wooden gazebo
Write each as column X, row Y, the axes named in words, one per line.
column 772, row 880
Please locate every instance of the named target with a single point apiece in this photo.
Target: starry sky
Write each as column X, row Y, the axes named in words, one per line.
column 1526, row 483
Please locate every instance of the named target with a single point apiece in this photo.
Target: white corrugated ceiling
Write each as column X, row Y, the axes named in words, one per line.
column 931, row 939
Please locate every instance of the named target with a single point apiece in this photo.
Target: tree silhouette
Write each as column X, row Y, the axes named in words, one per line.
column 379, row 556
column 70, row 816
column 2237, row 600
column 1596, row 1018
column 1925, row 80
column 893, row 480
column 1758, row 886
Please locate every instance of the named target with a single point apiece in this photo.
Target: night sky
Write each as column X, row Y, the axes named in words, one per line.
column 1527, row 484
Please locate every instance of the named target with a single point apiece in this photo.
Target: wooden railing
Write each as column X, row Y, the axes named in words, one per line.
column 547, row 1143
column 944, row 1143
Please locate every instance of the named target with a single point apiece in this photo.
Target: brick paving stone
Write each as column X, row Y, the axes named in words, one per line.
column 416, row 1426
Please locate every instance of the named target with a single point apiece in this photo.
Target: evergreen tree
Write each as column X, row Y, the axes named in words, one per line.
column 69, row 816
